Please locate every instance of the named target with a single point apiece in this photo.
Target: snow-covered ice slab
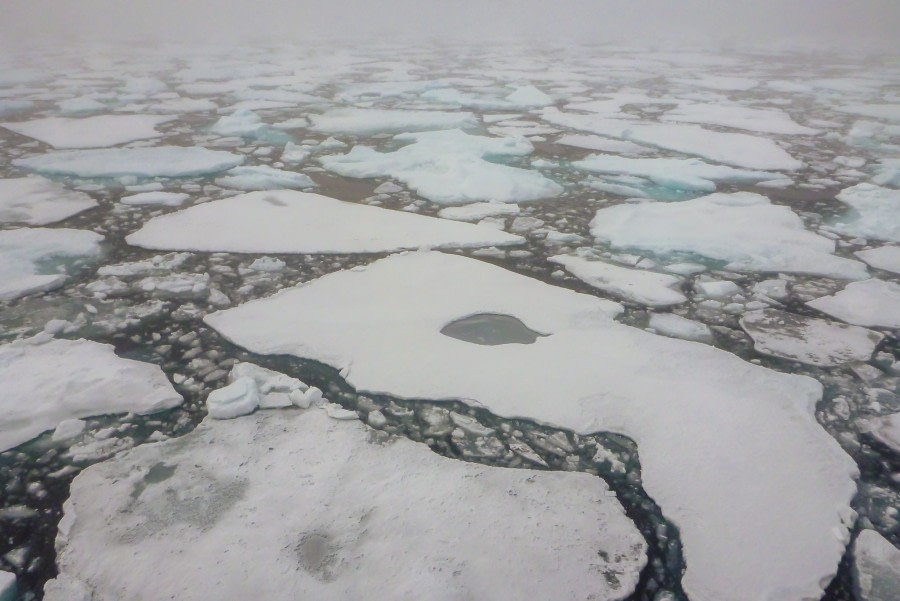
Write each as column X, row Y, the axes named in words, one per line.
column 478, row 211
column 450, row 167
column 681, row 174
column 731, row 451
column 296, row 504
column 635, row 285
column 366, row 122
column 158, row 161
column 47, row 381
column 39, row 201
column 872, row 303
column 263, row 177
column 876, row 567
column 884, row 257
column 807, row 339
column 165, row 199
column 287, row 221
column 767, row 121
column 886, row 429
column 30, row 258
column 90, row 132
column 876, row 212
column 676, row 326
column 602, row 144
column 743, row 230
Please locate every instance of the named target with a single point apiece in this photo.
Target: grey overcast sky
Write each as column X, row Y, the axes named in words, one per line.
column 840, row 23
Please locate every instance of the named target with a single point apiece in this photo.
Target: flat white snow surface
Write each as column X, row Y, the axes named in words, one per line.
column 90, row 132
column 682, row 174
column 876, row 213
column 767, row 121
column 884, row 257
column 743, row 230
column 450, row 167
column 731, row 451
column 872, row 303
column 807, row 339
column 365, row 122
column 165, row 199
column 329, row 514
column 287, row 221
column 39, row 201
column 636, row 285
column 47, row 381
column 876, row 567
column 30, row 258
column 157, row 161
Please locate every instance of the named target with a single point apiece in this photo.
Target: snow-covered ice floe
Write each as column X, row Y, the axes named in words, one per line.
column 872, row 303
column 263, row 177
column 157, row 161
column 731, row 451
column 876, row 213
column 807, row 339
column 450, row 167
column 366, row 122
column 287, row 221
column 48, row 381
column 743, row 230
column 39, row 201
column 165, row 199
column 886, row 258
column 33, row 259
column 90, row 132
column 876, row 567
column 332, row 514
column 767, row 121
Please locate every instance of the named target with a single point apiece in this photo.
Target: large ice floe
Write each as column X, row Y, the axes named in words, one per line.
column 876, row 567
column 47, row 381
column 39, row 201
column 770, row 121
column 807, row 339
column 287, row 221
column 744, row 231
column 731, row 451
column 366, row 122
column 883, row 257
column 872, row 303
column 35, row 259
column 875, row 214
column 157, row 161
column 450, row 167
column 330, row 513
column 90, row 132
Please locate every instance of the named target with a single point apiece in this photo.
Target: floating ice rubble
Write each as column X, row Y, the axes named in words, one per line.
column 635, row 285
column 157, row 161
column 365, row 122
column 327, row 511
column 876, row 213
column 251, row 386
column 33, row 259
column 743, row 230
column 871, row 303
column 807, row 339
column 731, row 451
column 90, row 132
column 886, row 430
column 39, row 201
column 48, row 381
column 450, row 167
column 301, row 222
column 876, row 567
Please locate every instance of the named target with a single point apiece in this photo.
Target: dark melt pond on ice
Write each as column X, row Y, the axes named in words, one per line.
column 491, row 329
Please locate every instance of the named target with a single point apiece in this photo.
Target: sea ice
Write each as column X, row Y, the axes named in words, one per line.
column 450, row 167
column 263, row 177
column 301, row 222
column 636, row 285
column 39, row 201
column 90, row 132
column 366, row 122
column 676, row 326
column 743, row 230
column 885, row 257
column 886, row 429
column 807, row 339
column 166, row 199
column 47, row 381
column 682, row 174
column 771, row 121
column 478, row 211
column 871, row 303
column 731, row 451
column 602, row 144
column 876, row 567
column 876, row 213
column 328, row 513
column 158, row 161
column 7, row 586
column 31, row 259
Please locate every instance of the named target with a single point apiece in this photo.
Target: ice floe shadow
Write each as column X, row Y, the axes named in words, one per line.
column 491, row 329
